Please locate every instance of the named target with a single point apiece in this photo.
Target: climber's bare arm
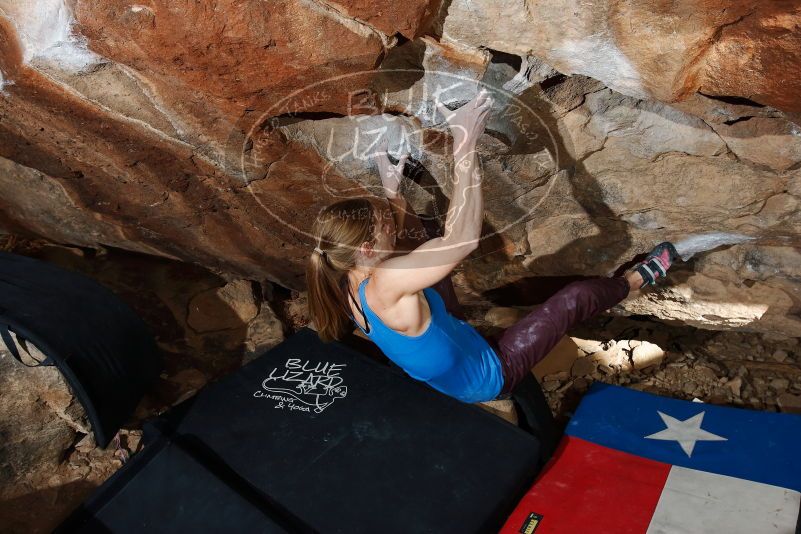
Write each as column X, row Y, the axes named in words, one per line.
column 410, row 229
column 435, row 259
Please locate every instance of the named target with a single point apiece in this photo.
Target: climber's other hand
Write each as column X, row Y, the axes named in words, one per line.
column 467, row 123
column 391, row 175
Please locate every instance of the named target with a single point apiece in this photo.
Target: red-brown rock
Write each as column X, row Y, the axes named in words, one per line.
column 207, row 62
column 407, row 18
column 663, row 50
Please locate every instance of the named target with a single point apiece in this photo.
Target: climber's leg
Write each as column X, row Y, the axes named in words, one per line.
column 522, row 345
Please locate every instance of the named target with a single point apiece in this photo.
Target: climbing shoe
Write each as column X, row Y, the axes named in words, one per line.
column 657, row 263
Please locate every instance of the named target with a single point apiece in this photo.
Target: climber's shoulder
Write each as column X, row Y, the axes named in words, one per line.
column 408, row 274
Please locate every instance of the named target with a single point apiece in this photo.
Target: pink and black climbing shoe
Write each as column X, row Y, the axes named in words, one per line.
column 657, row 263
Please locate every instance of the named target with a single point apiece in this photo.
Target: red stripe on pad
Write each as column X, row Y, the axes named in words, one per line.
column 589, row 488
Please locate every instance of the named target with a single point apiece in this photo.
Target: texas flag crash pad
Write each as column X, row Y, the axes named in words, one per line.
column 633, row 462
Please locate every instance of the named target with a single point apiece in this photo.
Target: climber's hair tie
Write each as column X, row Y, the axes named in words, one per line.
column 319, row 251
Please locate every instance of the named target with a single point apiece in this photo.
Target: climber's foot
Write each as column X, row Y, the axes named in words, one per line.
column 655, row 265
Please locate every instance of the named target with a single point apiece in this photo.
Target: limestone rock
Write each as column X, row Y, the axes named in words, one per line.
column 780, row 355
column 569, row 92
column 775, row 143
column 734, row 385
column 790, row 403
column 43, row 206
column 419, row 73
column 34, row 436
column 761, row 302
column 718, row 110
column 209, row 61
column 296, row 311
column 648, row 127
column 690, row 388
column 505, row 409
column 646, row 354
column 780, row 384
column 614, row 358
column 263, row 333
column 225, row 308
column 583, row 367
column 550, row 385
column 407, row 18
column 643, row 50
column 160, row 164
column 186, row 383
column 589, row 346
column 559, row 361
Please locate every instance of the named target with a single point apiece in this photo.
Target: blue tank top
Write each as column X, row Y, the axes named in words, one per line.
column 450, row 355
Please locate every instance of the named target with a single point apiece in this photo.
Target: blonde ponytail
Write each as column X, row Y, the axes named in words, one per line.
column 340, row 230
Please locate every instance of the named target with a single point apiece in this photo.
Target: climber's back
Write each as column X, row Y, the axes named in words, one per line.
column 449, row 355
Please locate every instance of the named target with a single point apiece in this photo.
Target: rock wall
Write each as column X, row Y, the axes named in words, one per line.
column 212, row 132
column 662, row 50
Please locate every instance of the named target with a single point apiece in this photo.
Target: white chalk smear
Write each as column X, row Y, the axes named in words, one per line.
column 46, row 32
column 5, row 83
column 599, row 57
column 692, row 245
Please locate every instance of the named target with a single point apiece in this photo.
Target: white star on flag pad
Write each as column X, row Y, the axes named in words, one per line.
column 686, row 433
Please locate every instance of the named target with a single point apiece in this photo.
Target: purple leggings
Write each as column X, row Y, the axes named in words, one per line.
column 522, row 345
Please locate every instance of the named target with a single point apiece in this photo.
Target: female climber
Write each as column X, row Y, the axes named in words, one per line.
column 396, row 286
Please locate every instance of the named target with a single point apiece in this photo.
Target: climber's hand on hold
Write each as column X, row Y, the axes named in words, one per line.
column 467, row 123
column 431, row 261
column 391, row 175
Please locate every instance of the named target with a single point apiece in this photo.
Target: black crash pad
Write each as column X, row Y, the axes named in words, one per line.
column 335, row 442
column 166, row 489
column 103, row 349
